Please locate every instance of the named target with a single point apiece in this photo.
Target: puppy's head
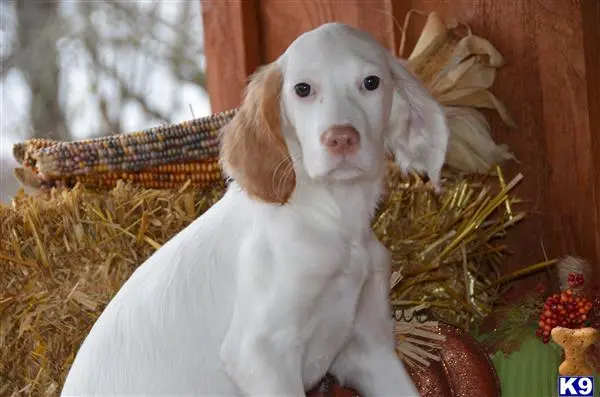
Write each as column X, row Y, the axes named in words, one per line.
column 326, row 111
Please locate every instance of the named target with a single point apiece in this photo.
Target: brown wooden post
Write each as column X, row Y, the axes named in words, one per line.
column 231, row 47
column 567, row 71
column 590, row 11
column 283, row 20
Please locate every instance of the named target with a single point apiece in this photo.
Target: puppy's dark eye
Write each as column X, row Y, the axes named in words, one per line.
column 371, row 83
column 302, row 90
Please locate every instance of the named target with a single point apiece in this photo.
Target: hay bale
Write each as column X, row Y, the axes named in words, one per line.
column 63, row 256
column 65, row 253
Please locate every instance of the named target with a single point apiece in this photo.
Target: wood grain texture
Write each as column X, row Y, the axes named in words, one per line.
column 283, row 21
column 572, row 216
column 590, row 11
column 231, row 47
column 550, row 84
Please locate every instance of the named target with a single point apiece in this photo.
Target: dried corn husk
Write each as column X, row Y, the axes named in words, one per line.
column 458, row 72
column 417, row 341
column 471, row 147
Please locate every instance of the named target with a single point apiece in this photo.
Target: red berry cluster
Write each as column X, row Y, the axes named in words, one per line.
column 575, row 279
column 563, row 310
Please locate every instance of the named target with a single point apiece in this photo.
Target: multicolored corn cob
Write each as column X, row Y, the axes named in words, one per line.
column 199, row 173
column 183, row 142
column 23, row 151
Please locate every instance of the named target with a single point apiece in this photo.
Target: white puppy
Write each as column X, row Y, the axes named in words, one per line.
column 283, row 279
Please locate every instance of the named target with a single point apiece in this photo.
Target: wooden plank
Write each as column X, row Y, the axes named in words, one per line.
column 231, row 47
column 590, row 11
column 572, row 216
column 283, row 20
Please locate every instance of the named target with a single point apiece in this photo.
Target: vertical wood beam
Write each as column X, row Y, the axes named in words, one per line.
column 590, row 11
column 231, row 47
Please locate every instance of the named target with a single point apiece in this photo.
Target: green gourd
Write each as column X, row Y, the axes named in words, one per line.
column 532, row 370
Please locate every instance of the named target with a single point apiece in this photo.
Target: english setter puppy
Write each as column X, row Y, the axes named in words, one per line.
column 282, row 280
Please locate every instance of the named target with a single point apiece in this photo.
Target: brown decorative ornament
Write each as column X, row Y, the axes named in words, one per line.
column 464, row 370
column 432, row 380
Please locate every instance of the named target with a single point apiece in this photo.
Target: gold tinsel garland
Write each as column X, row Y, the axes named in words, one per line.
column 443, row 245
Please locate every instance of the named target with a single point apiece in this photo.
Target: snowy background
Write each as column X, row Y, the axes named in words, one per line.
column 78, row 69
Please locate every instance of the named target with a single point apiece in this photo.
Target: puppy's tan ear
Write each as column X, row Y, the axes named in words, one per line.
column 253, row 150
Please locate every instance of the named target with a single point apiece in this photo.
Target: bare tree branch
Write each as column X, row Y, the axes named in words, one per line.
column 46, row 43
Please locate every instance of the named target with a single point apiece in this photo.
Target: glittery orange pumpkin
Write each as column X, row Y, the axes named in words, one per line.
column 464, row 370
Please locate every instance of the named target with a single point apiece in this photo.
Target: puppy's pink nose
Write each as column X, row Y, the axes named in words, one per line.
column 341, row 140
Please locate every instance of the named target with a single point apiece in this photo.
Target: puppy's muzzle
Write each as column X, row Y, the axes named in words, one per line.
column 341, row 140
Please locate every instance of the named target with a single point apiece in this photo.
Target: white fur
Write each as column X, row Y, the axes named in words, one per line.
column 263, row 299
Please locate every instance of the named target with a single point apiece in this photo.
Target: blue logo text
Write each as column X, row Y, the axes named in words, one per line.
column 572, row 386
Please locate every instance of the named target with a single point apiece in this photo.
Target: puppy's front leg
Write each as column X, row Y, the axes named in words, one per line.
column 257, row 362
column 369, row 362
column 261, row 351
